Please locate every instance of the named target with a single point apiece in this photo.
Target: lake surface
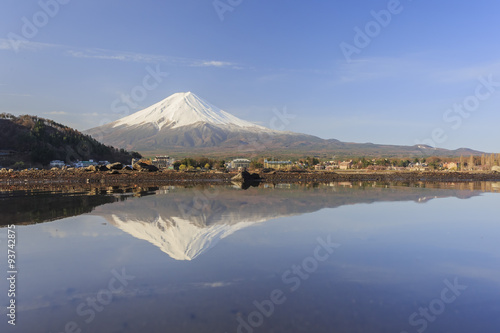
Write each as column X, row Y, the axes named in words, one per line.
column 340, row 257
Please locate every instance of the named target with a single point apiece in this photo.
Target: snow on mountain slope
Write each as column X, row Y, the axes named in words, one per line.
column 183, row 109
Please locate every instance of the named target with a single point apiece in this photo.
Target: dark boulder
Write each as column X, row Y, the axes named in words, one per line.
column 246, row 176
column 143, row 167
column 115, row 166
column 96, row 168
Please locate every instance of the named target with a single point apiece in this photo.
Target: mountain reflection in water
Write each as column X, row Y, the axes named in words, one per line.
column 184, row 223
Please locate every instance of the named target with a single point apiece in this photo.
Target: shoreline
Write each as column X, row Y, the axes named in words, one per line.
column 39, row 178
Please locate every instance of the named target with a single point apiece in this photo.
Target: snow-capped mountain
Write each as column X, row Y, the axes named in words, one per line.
column 184, row 109
column 184, row 122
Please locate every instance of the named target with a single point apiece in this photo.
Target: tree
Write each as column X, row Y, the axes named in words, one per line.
column 207, row 166
column 177, row 164
column 256, row 165
column 403, row 163
column 182, row 167
column 470, row 164
column 18, row 165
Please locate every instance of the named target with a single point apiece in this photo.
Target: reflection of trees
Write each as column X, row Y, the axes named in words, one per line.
column 24, row 207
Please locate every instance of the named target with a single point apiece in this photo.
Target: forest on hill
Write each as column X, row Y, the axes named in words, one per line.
column 31, row 141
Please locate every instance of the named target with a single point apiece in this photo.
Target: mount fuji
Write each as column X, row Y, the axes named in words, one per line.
column 183, row 122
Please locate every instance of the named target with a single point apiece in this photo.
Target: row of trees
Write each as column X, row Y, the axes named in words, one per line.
column 485, row 161
column 470, row 163
column 198, row 163
column 307, row 163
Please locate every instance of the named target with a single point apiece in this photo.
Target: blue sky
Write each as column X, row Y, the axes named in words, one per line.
column 417, row 76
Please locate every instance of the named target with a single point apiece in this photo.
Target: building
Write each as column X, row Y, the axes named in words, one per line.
column 84, row 164
column 238, row 163
column 319, row 167
column 7, row 152
column 57, row 164
column 162, row 162
column 345, row 165
column 277, row 164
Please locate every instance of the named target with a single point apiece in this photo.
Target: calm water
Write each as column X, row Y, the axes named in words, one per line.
column 338, row 258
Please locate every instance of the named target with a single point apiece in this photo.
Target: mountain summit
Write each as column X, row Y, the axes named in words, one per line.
column 183, row 109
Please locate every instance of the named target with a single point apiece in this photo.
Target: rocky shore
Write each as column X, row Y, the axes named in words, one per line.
column 11, row 180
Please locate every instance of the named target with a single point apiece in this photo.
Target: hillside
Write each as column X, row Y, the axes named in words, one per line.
column 35, row 141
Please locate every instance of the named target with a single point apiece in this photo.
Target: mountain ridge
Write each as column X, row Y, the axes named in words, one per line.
column 183, row 122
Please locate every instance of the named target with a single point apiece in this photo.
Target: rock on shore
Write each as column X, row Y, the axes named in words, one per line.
column 246, row 176
column 144, row 167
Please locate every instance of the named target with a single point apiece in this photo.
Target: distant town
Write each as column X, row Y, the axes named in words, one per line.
column 165, row 162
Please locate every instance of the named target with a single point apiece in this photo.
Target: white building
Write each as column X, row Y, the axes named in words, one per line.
column 57, row 164
column 162, row 162
column 277, row 164
column 240, row 163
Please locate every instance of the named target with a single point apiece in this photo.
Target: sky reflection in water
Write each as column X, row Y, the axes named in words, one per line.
column 214, row 259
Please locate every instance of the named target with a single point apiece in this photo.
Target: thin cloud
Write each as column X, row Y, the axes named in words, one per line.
column 52, row 113
column 15, row 94
column 368, row 69
column 469, row 73
column 112, row 55
column 411, row 67
column 214, row 63
column 13, row 45
column 115, row 55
